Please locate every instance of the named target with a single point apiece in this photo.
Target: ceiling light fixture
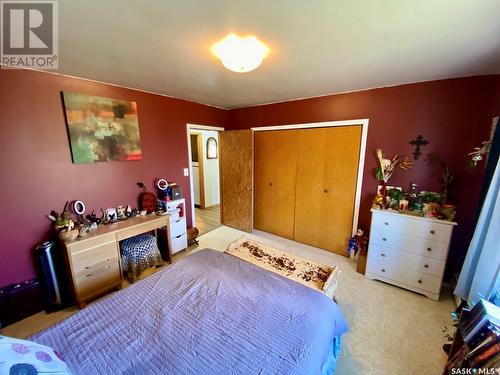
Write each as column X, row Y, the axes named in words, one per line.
column 240, row 54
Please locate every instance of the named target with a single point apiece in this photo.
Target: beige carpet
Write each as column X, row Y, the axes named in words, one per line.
column 392, row 331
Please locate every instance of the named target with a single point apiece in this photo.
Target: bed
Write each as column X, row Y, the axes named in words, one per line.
column 209, row 313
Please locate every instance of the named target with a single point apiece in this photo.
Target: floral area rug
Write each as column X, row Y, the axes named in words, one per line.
column 313, row 275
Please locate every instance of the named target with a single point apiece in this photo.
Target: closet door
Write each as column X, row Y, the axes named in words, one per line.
column 327, row 169
column 275, row 171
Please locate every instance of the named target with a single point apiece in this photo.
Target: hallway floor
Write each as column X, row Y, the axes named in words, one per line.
column 207, row 219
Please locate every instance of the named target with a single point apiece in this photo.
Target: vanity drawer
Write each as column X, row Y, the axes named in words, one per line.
column 414, row 262
column 177, row 227
column 98, row 279
column 87, row 243
column 84, row 260
column 410, row 244
column 405, row 276
column 417, row 227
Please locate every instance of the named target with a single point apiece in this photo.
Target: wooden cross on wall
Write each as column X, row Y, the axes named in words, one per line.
column 417, row 142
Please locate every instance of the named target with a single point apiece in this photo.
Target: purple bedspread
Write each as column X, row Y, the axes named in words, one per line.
column 209, row 313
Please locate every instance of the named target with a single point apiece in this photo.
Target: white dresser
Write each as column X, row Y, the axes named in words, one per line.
column 408, row 251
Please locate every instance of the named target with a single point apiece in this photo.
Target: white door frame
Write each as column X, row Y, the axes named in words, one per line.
column 189, row 127
column 362, row 152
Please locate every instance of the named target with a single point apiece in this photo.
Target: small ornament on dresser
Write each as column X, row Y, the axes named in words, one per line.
column 120, row 212
column 92, row 217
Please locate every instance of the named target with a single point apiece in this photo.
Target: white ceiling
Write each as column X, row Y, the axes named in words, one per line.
column 318, row 47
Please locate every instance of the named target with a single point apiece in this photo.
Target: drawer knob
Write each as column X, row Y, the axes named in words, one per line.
column 384, row 239
column 383, row 270
column 386, row 223
column 270, row 184
column 426, row 265
column 429, row 249
column 432, row 232
column 420, row 281
column 382, row 254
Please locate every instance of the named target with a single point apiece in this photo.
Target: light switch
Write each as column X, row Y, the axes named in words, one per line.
column 186, row 171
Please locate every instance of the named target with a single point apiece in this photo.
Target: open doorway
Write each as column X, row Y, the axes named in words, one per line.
column 205, row 178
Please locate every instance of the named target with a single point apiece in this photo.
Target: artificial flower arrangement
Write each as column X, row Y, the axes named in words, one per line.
column 426, row 203
column 387, row 167
column 384, row 171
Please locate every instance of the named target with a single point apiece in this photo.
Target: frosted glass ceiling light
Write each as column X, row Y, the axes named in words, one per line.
column 240, row 54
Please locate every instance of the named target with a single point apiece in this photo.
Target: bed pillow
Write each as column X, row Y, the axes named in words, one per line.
column 29, row 358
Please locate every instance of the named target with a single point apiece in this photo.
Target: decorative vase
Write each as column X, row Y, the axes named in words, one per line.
column 67, row 236
column 383, row 192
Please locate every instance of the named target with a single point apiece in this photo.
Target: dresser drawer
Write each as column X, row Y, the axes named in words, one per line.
column 178, row 243
column 406, row 224
column 410, row 244
column 414, row 262
column 177, row 227
column 405, row 276
column 100, row 278
column 85, row 260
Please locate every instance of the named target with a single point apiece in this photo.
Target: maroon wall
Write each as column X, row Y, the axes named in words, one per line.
column 453, row 115
column 37, row 174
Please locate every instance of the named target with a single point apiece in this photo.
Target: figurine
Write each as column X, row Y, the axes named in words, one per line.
column 357, row 243
column 84, row 230
column 94, row 219
column 378, row 202
column 120, row 212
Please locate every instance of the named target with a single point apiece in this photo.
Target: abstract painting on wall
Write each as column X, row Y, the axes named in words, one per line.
column 102, row 129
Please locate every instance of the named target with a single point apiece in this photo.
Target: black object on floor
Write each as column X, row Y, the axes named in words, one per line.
column 52, row 273
column 18, row 301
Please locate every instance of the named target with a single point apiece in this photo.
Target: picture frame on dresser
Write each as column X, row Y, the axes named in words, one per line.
column 409, row 251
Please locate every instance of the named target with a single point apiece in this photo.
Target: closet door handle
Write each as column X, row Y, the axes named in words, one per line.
column 426, row 266
column 325, row 190
column 420, row 281
column 429, row 249
column 386, row 223
column 432, row 232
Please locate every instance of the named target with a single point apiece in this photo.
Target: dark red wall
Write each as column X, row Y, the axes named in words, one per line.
column 37, row 174
column 453, row 115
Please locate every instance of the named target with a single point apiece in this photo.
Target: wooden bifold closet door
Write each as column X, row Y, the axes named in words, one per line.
column 275, row 172
column 305, row 184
